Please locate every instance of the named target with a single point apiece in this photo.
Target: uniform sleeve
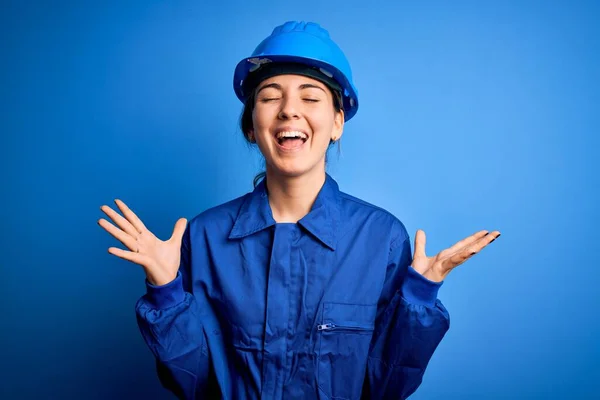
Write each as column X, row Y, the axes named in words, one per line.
column 170, row 322
column 409, row 326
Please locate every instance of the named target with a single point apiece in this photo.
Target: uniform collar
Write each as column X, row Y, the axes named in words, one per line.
column 322, row 221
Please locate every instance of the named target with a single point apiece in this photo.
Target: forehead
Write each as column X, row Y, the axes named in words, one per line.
column 291, row 80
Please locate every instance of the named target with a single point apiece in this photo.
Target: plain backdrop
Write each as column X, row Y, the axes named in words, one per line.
column 473, row 115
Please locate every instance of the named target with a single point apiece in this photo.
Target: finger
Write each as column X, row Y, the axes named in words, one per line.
column 130, row 215
column 120, row 221
column 463, row 255
column 467, row 241
column 179, row 230
column 483, row 242
column 137, row 258
column 123, row 237
column 420, row 240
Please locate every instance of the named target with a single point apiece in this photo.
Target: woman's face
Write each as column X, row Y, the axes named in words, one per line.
column 294, row 121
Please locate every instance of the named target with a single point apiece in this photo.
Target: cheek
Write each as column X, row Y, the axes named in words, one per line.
column 262, row 136
column 255, row 120
column 322, row 127
column 262, row 118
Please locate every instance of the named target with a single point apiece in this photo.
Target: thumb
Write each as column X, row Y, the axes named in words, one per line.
column 179, row 230
column 420, row 240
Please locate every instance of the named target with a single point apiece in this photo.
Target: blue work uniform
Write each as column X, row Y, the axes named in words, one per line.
column 325, row 308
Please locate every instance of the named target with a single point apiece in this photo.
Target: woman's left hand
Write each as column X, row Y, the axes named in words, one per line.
column 436, row 268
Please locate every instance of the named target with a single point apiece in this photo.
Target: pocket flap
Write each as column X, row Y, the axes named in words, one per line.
column 351, row 315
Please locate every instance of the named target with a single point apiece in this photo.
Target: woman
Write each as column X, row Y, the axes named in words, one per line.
column 295, row 290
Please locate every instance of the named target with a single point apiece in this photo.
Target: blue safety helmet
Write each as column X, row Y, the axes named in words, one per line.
column 300, row 43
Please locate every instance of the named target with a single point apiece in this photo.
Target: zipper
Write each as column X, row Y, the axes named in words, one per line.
column 329, row 327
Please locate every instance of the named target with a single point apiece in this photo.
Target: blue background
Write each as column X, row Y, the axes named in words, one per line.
column 472, row 116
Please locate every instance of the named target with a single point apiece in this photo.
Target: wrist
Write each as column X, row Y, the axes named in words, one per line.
column 160, row 279
column 418, row 289
column 167, row 295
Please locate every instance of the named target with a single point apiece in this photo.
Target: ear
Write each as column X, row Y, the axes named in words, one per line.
column 338, row 126
column 251, row 137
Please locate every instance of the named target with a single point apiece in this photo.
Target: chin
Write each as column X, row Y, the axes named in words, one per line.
column 292, row 170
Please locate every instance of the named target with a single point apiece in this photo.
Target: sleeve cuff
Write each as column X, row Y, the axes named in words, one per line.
column 417, row 289
column 164, row 296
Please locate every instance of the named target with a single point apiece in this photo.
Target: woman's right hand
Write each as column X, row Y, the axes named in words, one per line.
column 160, row 259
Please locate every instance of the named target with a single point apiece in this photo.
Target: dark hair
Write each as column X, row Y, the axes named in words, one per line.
column 246, row 124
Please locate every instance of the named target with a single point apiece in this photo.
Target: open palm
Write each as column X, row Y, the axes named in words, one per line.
column 160, row 259
column 436, row 268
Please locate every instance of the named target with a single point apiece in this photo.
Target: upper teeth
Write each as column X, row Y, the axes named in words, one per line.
column 301, row 135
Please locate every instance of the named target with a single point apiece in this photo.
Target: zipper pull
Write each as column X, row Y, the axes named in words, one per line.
column 325, row 327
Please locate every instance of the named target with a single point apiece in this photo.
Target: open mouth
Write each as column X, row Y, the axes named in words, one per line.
column 291, row 139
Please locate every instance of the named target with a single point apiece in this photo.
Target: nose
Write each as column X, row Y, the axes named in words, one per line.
column 289, row 109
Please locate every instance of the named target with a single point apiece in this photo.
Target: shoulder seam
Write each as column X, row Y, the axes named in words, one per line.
column 349, row 197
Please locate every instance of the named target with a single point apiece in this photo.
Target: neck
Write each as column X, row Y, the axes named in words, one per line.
column 291, row 198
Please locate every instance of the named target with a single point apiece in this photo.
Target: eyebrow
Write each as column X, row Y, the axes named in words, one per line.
column 278, row 87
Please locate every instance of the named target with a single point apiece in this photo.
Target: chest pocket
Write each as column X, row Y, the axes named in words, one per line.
column 344, row 335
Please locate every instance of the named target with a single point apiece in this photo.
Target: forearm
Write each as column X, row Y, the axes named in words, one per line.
column 411, row 327
column 171, row 325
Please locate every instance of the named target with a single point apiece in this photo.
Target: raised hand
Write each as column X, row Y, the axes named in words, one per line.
column 438, row 267
column 160, row 259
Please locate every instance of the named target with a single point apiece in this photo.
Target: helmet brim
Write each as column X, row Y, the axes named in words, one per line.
column 247, row 65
